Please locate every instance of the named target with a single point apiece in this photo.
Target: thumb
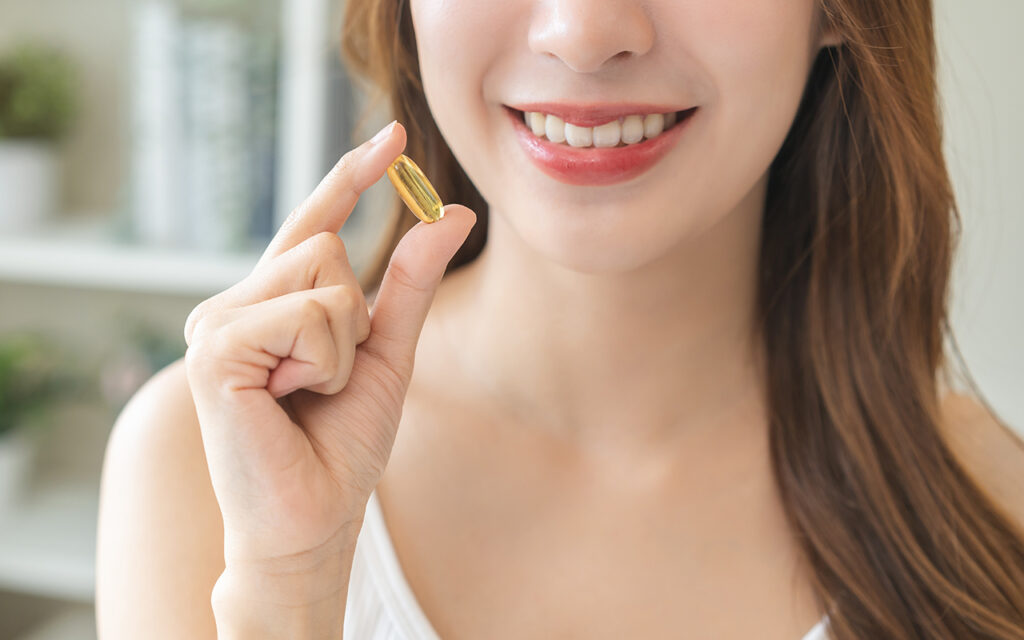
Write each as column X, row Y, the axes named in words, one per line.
column 407, row 289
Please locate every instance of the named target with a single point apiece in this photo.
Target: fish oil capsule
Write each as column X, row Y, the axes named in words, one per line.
column 415, row 189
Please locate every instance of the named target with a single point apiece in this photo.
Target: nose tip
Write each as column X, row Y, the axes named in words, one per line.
column 588, row 36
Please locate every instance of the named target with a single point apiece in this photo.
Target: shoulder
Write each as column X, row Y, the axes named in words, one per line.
column 160, row 537
column 988, row 450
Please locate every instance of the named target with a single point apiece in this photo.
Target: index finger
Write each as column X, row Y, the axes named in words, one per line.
column 328, row 207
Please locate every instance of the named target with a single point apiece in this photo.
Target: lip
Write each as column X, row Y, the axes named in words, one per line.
column 592, row 166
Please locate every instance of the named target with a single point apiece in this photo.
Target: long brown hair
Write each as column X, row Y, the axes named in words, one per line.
column 860, row 226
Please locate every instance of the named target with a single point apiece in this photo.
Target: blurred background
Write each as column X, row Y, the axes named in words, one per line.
column 149, row 149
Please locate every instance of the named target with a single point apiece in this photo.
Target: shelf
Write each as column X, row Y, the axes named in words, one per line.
column 48, row 542
column 104, row 264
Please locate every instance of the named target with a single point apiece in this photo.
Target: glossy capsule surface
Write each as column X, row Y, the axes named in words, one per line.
column 415, row 190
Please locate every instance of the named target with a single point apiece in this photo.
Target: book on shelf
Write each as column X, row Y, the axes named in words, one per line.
column 204, row 127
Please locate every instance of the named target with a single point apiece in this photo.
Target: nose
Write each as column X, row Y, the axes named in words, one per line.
column 586, row 34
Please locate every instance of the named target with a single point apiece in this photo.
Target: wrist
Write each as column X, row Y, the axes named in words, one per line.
column 299, row 597
column 275, row 553
column 253, row 607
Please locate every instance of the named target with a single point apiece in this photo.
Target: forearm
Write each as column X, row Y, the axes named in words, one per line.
column 297, row 600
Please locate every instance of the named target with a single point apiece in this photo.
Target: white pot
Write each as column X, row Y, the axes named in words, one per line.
column 29, row 183
column 17, row 455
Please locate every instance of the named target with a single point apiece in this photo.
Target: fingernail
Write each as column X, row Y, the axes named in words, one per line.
column 383, row 133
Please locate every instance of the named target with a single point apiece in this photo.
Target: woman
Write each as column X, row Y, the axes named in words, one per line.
column 690, row 386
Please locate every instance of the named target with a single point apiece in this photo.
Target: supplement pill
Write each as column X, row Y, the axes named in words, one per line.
column 415, row 189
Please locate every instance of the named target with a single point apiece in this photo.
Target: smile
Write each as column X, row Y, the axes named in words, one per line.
column 596, row 146
column 622, row 131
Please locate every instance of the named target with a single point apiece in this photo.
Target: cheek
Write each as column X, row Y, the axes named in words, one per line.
column 756, row 53
column 752, row 56
column 456, row 44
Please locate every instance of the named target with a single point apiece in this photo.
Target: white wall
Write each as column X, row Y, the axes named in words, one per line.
column 982, row 82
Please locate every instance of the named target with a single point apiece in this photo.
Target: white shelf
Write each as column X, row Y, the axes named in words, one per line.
column 104, row 264
column 48, row 542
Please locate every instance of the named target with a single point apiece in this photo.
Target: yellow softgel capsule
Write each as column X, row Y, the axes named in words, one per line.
column 415, row 190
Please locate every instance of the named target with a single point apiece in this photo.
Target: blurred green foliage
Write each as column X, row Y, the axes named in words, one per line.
column 33, row 378
column 37, row 92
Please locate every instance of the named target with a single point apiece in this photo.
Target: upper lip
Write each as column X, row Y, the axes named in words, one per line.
column 595, row 113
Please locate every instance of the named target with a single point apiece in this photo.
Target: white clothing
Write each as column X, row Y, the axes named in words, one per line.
column 381, row 606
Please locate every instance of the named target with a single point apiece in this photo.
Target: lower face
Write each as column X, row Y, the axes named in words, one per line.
column 727, row 74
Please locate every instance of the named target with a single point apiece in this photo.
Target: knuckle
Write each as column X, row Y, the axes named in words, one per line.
column 344, row 297
column 340, row 178
column 345, row 165
column 329, row 244
column 337, row 383
column 327, row 260
column 401, row 274
column 292, row 220
column 194, row 356
column 325, row 372
column 310, row 310
column 206, row 338
column 201, row 327
column 241, row 293
column 201, row 356
column 192, row 321
column 200, row 368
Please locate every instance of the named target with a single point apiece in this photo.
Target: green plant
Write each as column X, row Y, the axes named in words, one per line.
column 37, row 93
column 32, row 379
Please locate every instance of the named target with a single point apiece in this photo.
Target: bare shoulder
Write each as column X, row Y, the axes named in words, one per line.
column 990, row 451
column 160, row 537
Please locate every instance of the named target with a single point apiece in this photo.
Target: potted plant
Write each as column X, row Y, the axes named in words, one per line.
column 31, row 380
column 36, row 108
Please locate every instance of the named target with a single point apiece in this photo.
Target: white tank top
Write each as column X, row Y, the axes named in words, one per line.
column 381, row 605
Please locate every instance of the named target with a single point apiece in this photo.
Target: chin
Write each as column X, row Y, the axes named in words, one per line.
column 594, row 242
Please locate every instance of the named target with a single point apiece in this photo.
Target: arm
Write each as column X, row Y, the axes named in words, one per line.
column 160, row 538
column 160, row 552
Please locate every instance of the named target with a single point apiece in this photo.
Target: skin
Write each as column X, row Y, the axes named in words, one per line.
column 602, row 335
column 670, row 255
column 583, row 444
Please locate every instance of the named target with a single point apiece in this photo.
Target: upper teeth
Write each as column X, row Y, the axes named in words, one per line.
column 628, row 129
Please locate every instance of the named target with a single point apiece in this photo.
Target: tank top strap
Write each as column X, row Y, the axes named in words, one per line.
column 382, row 569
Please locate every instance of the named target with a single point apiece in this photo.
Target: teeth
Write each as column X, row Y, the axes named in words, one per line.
column 578, row 136
column 554, row 129
column 608, row 134
column 654, row 124
column 633, row 129
column 627, row 130
column 536, row 122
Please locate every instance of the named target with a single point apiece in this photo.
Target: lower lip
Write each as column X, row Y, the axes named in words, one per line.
column 589, row 166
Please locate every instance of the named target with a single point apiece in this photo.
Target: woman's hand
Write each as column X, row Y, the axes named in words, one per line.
column 297, row 384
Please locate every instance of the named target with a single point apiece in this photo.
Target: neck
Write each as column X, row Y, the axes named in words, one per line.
column 631, row 359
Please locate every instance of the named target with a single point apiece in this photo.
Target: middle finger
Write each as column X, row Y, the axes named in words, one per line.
column 319, row 261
